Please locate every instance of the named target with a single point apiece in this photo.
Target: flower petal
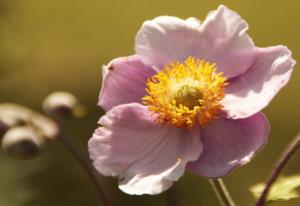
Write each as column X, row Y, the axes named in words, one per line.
column 221, row 39
column 230, row 143
column 146, row 157
column 123, row 81
column 251, row 92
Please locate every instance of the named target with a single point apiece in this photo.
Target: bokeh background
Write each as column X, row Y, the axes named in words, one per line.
column 54, row 45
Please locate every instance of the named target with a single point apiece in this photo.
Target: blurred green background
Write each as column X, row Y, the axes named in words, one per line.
column 49, row 45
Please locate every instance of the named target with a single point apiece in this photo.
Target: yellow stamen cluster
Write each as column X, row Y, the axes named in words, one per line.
column 183, row 94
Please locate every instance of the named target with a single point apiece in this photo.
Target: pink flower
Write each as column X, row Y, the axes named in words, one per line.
column 190, row 98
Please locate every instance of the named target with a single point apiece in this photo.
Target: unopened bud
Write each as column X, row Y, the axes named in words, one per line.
column 63, row 104
column 3, row 128
column 22, row 143
column 12, row 115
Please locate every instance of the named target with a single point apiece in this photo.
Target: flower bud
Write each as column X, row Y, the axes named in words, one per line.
column 63, row 104
column 22, row 143
column 3, row 129
column 12, row 115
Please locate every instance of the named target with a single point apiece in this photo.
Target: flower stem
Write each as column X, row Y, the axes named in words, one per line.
column 222, row 192
column 172, row 196
column 278, row 169
column 85, row 164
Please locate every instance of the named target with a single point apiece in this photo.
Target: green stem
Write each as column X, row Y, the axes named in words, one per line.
column 279, row 167
column 85, row 164
column 172, row 196
column 222, row 192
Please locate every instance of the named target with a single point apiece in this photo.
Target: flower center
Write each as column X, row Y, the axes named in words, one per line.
column 183, row 94
column 188, row 95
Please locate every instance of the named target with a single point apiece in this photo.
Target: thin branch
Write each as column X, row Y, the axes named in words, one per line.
column 279, row 167
column 85, row 164
column 222, row 192
column 172, row 196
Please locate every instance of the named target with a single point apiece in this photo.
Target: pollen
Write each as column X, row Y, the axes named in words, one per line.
column 184, row 94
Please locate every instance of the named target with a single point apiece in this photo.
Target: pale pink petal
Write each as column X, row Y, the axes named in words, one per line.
column 221, row 39
column 146, row 157
column 251, row 92
column 123, row 81
column 229, row 143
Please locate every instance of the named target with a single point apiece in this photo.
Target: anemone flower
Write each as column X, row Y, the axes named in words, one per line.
column 189, row 99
